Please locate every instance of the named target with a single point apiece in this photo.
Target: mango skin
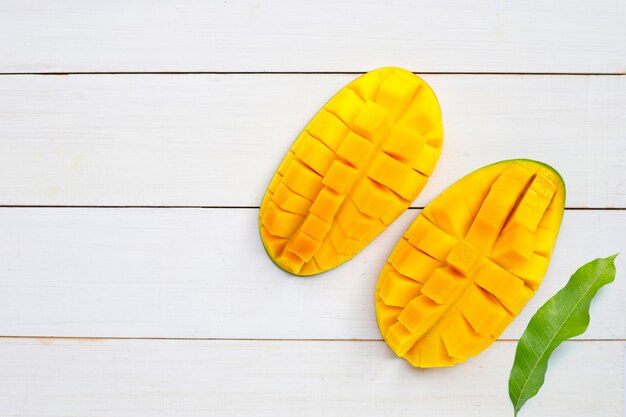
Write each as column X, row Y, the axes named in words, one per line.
column 356, row 166
column 469, row 263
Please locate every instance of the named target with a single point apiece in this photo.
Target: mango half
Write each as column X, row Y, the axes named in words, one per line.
column 356, row 166
column 469, row 263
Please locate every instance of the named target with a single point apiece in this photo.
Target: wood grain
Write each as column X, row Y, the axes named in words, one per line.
column 203, row 273
column 90, row 378
column 434, row 35
column 209, row 139
column 215, row 140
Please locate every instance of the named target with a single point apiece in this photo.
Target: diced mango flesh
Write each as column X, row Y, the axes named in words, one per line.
column 356, row 166
column 470, row 262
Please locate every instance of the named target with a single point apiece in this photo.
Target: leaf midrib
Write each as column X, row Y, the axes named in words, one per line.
column 556, row 333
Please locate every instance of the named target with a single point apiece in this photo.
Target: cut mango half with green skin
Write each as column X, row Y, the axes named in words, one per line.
column 469, row 263
column 356, row 166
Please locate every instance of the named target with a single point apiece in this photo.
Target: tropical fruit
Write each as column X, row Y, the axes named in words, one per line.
column 469, row 263
column 356, row 166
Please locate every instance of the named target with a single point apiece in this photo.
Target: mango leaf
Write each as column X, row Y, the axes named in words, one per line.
column 564, row 315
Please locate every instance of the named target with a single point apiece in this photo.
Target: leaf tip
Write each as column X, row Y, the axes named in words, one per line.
column 611, row 259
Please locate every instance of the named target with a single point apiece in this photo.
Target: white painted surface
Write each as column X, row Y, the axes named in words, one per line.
column 203, row 273
column 215, row 140
column 304, row 378
column 326, row 35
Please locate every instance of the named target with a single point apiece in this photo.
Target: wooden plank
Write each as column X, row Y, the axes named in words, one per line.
column 202, row 273
column 449, row 36
column 215, row 140
column 51, row 378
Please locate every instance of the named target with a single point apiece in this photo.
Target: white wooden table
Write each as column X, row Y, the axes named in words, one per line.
column 136, row 142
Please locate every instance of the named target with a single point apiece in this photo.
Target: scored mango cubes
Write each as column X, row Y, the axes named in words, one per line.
column 469, row 263
column 358, row 164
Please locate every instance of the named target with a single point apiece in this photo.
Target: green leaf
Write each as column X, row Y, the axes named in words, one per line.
column 564, row 315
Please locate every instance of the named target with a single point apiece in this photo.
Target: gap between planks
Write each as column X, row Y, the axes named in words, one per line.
column 558, row 74
column 51, row 339
column 224, row 207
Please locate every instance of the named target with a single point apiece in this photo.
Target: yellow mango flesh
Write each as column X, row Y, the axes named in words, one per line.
column 356, row 166
column 469, row 263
